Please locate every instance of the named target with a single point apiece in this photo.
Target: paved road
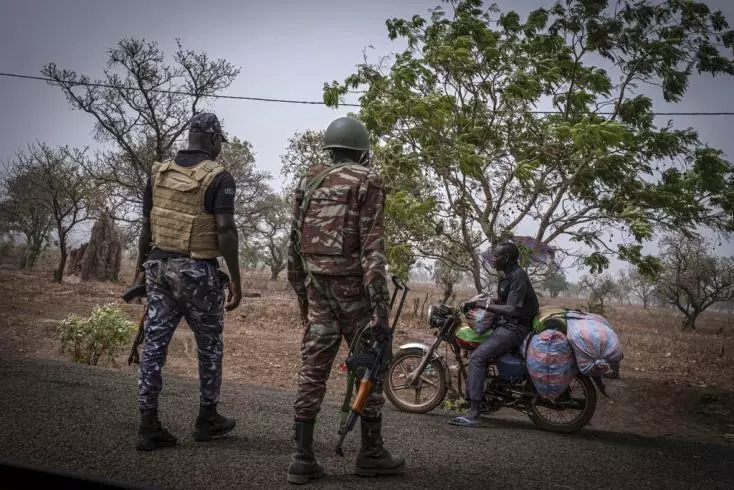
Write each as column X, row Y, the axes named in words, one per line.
column 83, row 419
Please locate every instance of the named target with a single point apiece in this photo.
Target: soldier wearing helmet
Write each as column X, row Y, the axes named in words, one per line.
column 337, row 267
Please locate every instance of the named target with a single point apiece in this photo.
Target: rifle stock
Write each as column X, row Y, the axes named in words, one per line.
column 134, row 357
column 368, row 381
column 365, row 386
column 134, row 292
column 371, row 375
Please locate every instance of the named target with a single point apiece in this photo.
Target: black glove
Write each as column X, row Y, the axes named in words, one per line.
column 381, row 330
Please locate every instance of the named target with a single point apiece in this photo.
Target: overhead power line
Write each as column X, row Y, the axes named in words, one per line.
column 289, row 101
column 162, row 91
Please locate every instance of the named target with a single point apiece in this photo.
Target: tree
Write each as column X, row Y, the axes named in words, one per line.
column 641, row 285
column 600, row 287
column 273, row 232
column 577, row 290
column 53, row 182
column 252, row 184
column 621, row 291
column 143, row 106
column 468, row 161
column 693, row 279
column 304, row 150
column 19, row 214
column 555, row 284
column 446, row 277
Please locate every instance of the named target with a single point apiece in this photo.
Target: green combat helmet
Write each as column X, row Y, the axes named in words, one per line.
column 346, row 132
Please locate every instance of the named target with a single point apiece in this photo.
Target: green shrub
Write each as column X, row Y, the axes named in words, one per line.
column 104, row 332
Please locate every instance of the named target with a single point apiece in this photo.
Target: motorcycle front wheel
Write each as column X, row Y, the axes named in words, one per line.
column 426, row 393
column 570, row 412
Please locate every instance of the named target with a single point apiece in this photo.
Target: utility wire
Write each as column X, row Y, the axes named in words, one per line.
column 289, row 101
column 162, row 91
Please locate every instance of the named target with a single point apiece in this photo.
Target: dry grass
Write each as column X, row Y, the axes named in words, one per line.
column 262, row 336
column 662, row 375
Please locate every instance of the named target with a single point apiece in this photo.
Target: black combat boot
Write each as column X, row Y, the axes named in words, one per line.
column 373, row 459
column 151, row 434
column 210, row 424
column 304, row 466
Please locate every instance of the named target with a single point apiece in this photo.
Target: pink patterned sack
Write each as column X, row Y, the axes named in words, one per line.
column 594, row 343
column 550, row 363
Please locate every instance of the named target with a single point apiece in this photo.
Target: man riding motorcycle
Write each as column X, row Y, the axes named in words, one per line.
column 515, row 306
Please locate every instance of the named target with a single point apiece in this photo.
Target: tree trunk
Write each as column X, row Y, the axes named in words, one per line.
column 74, row 263
column 477, row 275
column 689, row 323
column 59, row 272
column 31, row 253
column 24, row 257
column 274, row 273
column 448, row 290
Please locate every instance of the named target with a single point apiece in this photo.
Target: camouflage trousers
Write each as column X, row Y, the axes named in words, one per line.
column 182, row 288
column 323, row 337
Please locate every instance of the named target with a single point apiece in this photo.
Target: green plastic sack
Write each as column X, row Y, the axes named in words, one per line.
column 467, row 338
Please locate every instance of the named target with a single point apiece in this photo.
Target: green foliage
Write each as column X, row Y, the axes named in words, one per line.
column 555, row 284
column 453, row 118
column 103, row 333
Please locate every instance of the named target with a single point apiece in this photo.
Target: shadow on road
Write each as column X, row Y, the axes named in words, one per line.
column 589, row 434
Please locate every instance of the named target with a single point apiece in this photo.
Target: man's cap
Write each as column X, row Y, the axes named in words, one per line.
column 206, row 122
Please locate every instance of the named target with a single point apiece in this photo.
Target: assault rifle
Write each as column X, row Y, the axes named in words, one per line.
column 371, row 361
column 134, row 292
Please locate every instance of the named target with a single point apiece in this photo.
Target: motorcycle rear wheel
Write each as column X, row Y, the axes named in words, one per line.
column 398, row 366
column 577, row 423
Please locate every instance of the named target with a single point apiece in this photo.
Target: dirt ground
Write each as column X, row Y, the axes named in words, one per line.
column 671, row 384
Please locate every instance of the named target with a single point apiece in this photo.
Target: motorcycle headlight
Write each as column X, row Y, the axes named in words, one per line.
column 431, row 310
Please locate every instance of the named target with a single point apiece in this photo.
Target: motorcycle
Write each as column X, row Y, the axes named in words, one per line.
column 418, row 369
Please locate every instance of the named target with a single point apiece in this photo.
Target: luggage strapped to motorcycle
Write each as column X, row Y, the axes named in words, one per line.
column 597, row 380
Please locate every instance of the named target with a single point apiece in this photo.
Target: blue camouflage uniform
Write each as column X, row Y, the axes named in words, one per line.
column 183, row 280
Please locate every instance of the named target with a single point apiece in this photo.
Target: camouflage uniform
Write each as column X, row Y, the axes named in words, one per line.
column 183, row 280
column 343, row 248
column 337, row 266
column 182, row 288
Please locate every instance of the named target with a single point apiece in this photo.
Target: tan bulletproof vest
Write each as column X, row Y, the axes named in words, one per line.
column 178, row 219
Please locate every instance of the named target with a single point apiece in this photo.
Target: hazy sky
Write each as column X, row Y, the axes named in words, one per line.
column 285, row 49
